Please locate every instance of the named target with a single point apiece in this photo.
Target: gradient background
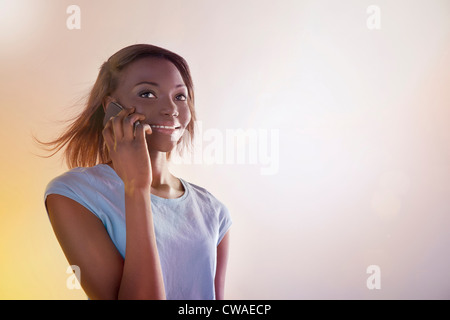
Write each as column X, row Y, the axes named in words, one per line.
column 363, row 118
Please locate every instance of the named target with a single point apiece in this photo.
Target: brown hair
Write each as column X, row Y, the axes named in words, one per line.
column 84, row 139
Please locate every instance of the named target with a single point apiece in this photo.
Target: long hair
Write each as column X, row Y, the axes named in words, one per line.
column 85, row 146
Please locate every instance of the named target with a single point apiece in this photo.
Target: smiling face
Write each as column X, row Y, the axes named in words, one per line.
column 155, row 87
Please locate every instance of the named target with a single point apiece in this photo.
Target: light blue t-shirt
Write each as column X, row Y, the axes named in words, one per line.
column 188, row 229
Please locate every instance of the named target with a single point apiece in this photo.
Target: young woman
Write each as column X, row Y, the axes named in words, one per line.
column 134, row 229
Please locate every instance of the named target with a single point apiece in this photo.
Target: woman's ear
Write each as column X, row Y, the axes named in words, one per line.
column 106, row 101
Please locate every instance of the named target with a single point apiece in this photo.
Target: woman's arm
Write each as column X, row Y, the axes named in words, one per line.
column 86, row 243
column 221, row 268
column 142, row 275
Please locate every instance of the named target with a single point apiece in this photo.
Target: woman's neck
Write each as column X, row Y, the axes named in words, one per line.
column 164, row 184
column 160, row 169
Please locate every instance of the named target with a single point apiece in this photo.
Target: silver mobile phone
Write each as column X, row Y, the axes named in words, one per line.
column 112, row 110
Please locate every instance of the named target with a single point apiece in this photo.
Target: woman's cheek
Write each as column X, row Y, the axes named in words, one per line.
column 186, row 117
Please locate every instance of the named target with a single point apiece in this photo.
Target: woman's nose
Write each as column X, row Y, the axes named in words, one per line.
column 169, row 108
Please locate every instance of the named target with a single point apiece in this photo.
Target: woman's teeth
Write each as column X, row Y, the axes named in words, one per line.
column 163, row 127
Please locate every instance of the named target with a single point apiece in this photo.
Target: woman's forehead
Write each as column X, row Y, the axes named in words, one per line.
column 151, row 69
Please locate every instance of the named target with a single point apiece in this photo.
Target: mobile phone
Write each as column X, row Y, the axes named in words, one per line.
column 112, row 110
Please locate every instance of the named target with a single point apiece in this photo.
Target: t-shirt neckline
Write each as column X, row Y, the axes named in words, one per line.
column 155, row 197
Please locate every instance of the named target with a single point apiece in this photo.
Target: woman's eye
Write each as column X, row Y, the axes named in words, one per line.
column 147, row 94
column 181, row 97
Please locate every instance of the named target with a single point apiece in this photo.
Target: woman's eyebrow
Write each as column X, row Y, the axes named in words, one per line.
column 156, row 84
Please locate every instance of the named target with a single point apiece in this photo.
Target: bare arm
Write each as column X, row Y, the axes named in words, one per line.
column 142, row 275
column 222, row 259
column 86, row 243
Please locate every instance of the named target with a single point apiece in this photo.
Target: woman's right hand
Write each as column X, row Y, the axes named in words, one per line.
column 128, row 148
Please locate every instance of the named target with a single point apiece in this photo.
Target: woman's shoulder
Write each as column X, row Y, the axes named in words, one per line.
column 83, row 177
column 211, row 204
column 203, row 194
column 86, row 184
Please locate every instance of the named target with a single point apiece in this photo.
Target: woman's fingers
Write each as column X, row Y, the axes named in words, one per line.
column 116, row 124
column 122, row 128
column 142, row 130
column 122, row 125
column 129, row 125
column 108, row 134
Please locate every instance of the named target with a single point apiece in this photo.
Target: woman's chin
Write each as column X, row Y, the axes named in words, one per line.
column 162, row 147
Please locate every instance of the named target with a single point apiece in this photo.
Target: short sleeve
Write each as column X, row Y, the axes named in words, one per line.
column 101, row 192
column 224, row 222
column 72, row 186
